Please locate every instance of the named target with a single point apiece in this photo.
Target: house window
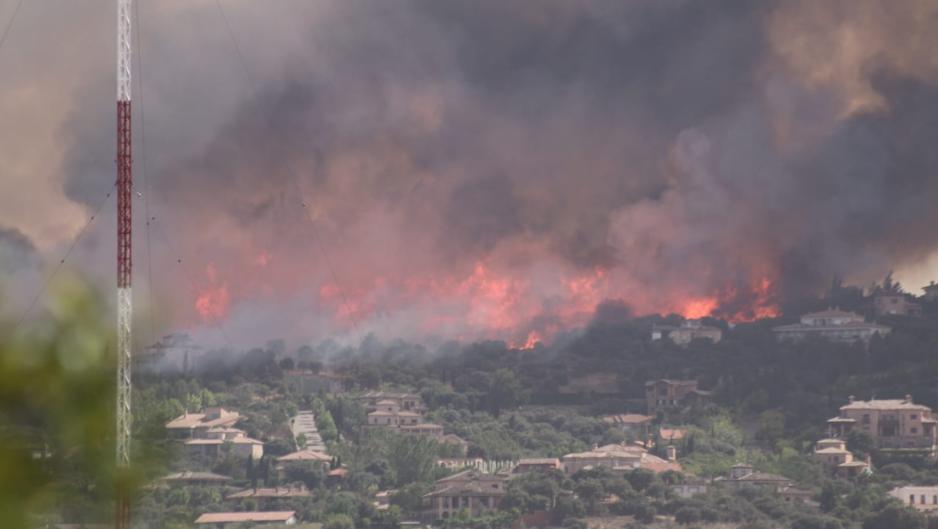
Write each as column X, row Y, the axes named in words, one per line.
column 911, row 499
column 914, row 417
column 934, row 500
column 866, row 418
column 923, row 499
column 914, row 430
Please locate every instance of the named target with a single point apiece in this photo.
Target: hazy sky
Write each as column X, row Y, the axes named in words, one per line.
column 474, row 168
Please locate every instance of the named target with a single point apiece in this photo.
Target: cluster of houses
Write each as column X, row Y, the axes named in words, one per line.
column 482, row 485
column 833, row 324
column 404, row 413
column 478, row 492
column 894, row 426
column 687, row 332
column 897, row 426
column 478, row 485
column 210, row 433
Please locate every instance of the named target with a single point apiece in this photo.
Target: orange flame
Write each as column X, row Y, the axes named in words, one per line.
column 699, row 307
column 212, row 304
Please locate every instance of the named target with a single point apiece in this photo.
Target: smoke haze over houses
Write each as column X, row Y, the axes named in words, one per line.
column 478, row 169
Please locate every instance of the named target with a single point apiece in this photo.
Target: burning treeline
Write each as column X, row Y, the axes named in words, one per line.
column 490, row 169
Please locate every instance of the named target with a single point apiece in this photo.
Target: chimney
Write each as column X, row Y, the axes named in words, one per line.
column 851, row 398
column 908, row 399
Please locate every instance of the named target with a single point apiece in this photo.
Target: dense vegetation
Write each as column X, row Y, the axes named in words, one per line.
column 770, row 404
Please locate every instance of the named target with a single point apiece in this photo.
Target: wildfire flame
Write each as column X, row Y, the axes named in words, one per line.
column 490, row 303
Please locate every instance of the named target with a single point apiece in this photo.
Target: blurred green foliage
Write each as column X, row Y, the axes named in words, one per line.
column 57, row 400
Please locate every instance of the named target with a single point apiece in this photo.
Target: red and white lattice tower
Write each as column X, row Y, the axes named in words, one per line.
column 124, row 255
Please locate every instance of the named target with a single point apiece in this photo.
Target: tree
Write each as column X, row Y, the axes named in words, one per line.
column 325, row 424
column 307, row 472
column 339, row 521
column 410, row 497
column 505, row 391
column 687, row 515
column 640, row 479
column 895, row 516
column 57, row 416
column 569, row 507
column 860, row 443
column 771, row 426
column 251, row 472
column 591, row 491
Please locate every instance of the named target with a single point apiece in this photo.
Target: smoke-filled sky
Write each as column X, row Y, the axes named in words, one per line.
column 473, row 168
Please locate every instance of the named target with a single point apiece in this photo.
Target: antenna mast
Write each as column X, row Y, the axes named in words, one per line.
column 124, row 255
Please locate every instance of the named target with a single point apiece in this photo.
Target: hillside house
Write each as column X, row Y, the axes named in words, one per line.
column 921, row 498
column 893, row 424
column 389, row 412
column 616, row 457
column 195, row 479
column 301, row 458
column 690, row 487
column 687, row 332
column 893, row 304
column 196, row 425
column 246, row 519
column 931, row 291
column 837, row 460
column 833, row 325
column 743, row 476
column 472, row 490
column 238, row 446
column 666, row 394
column 263, row 496
column 375, row 400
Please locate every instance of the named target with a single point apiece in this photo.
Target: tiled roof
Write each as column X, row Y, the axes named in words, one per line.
column 539, row 461
column 854, row 464
column 195, row 476
column 627, row 418
column 841, row 326
column 832, row 450
column 274, row 492
column 199, row 420
column 305, row 455
column 469, row 483
column 241, row 517
column 658, row 465
column 832, row 313
column 884, row 404
column 234, row 440
column 672, row 382
column 762, row 476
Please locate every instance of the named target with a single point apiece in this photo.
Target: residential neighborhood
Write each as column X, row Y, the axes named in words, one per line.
column 671, row 433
